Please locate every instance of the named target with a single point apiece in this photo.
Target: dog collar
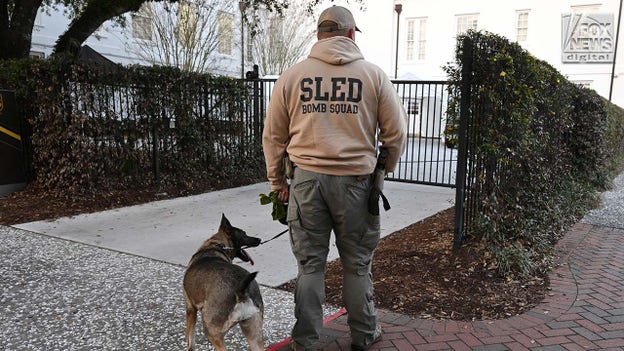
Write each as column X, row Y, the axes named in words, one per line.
column 223, row 247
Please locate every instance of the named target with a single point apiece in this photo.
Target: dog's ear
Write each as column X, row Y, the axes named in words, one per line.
column 225, row 224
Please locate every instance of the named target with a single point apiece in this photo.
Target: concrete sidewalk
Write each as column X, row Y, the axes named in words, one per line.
column 172, row 230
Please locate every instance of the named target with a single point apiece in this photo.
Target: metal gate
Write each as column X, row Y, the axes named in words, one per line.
column 428, row 157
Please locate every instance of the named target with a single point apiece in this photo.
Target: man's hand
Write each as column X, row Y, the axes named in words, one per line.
column 283, row 194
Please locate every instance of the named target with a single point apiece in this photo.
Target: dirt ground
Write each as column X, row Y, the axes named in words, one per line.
column 415, row 270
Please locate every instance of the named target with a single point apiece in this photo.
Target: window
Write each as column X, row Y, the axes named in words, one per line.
column 39, row 19
column 249, row 45
column 410, row 39
column 411, row 106
column 187, row 22
column 416, row 38
column 224, row 23
column 522, row 25
column 36, row 55
column 142, row 23
column 422, row 38
column 466, row 22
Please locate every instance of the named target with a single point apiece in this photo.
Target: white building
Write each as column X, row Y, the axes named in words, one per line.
column 121, row 45
column 577, row 37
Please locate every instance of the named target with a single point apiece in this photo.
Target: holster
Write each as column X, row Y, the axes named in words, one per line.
column 289, row 167
column 377, row 189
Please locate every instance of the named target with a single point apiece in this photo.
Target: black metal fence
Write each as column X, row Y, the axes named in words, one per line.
column 177, row 131
column 429, row 158
column 463, row 182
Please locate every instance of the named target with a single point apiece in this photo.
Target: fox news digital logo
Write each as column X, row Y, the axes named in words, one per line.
column 587, row 38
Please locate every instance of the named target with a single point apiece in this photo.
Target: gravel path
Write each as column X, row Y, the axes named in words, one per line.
column 610, row 213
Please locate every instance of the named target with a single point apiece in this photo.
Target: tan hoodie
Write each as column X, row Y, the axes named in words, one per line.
column 326, row 110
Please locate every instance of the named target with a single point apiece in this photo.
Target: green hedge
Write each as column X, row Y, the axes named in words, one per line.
column 98, row 127
column 539, row 146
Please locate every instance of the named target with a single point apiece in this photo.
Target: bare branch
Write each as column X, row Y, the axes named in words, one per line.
column 280, row 41
column 185, row 35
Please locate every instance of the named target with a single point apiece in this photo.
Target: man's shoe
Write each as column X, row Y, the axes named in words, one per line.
column 376, row 337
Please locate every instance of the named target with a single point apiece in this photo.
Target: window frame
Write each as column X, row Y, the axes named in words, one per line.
column 416, row 39
column 187, row 20
column 471, row 21
column 142, row 24
column 225, row 45
column 522, row 25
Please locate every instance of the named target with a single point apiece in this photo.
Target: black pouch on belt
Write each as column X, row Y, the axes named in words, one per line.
column 377, row 189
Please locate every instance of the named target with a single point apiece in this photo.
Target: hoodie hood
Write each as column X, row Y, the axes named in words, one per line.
column 336, row 51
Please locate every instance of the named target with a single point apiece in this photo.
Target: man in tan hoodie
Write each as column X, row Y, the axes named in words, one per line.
column 330, row 113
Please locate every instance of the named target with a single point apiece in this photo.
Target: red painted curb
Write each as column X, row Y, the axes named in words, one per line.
column 286, row 341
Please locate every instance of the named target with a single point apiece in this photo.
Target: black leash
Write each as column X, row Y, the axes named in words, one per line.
column 266, row 241
column 275, row 237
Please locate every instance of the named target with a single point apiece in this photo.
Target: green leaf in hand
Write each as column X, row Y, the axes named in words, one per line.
column 279, row 209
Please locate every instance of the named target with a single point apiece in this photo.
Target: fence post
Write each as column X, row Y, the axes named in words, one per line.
column 462, row 142
column 155, row 155
column 257, row 119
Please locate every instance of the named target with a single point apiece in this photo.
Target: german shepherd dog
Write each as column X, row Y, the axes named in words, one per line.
column 225, row 293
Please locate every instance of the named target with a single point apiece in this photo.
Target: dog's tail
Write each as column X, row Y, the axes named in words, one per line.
column 243, row 293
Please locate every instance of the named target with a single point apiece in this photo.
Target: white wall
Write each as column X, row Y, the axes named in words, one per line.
column 375, row 40
column 544, row 36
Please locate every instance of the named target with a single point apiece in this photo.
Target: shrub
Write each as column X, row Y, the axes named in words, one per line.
column 538, row 150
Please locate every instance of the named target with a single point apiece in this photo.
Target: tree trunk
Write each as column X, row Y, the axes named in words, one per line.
column 16, row 32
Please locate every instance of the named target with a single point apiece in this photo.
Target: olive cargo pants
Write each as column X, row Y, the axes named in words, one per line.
column 317, row 205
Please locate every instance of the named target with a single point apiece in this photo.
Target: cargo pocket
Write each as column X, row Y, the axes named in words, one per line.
column 368, row 233
column 373, row 231
column 307, row 241
column 292, row 212
column 358, row 193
